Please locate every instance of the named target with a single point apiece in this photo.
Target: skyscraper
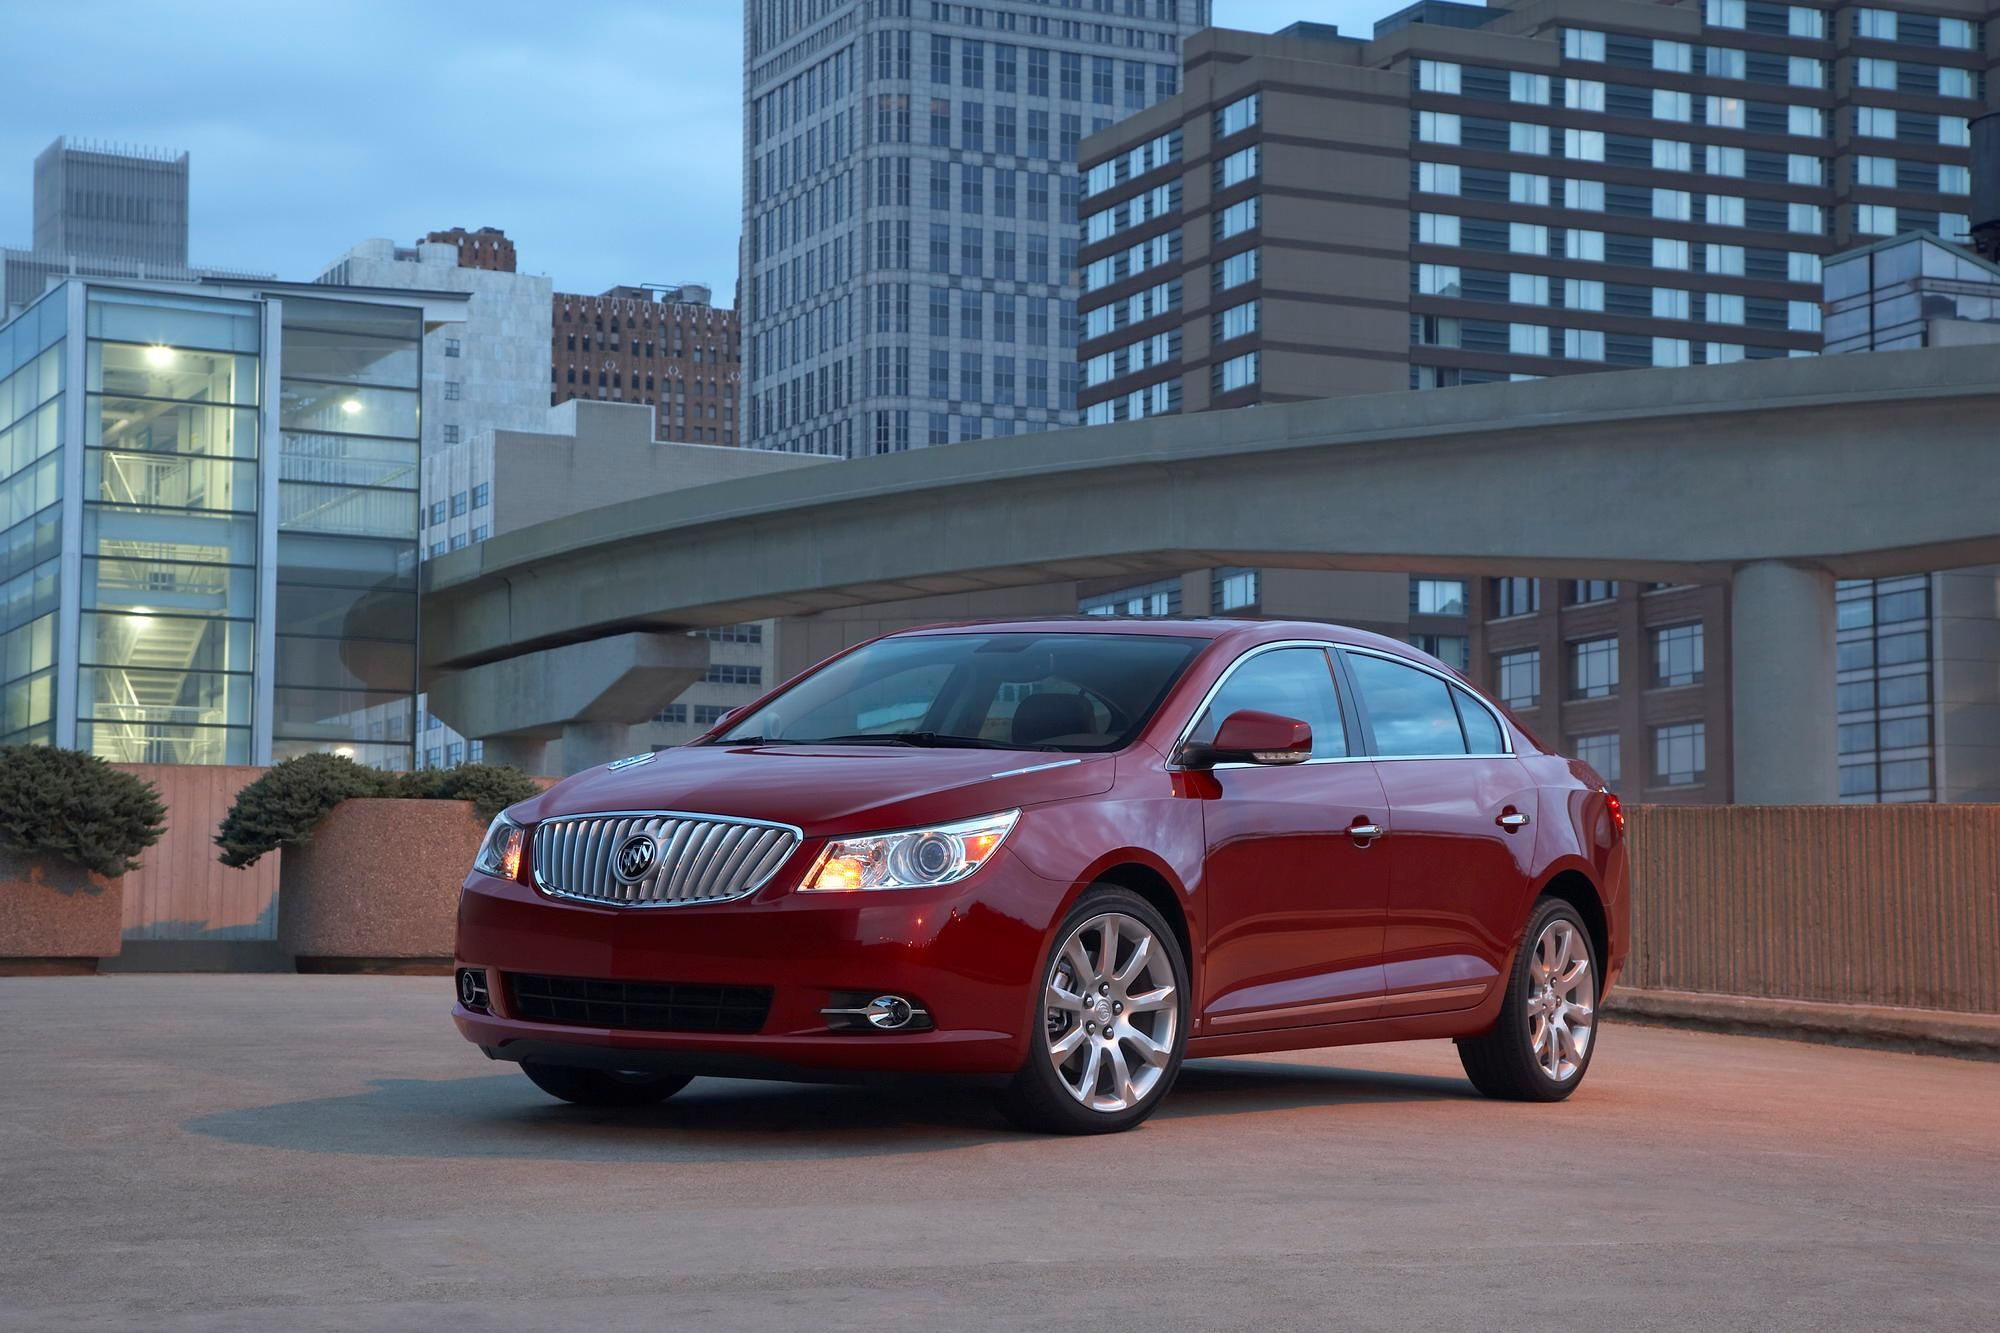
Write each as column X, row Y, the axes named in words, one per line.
column 909, row 209
column 102, row 212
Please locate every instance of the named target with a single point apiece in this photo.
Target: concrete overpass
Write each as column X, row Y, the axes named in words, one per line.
column 1775, row 477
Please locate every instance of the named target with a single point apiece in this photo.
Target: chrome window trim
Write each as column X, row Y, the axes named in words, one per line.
column 1506, row 733
column 548, row 891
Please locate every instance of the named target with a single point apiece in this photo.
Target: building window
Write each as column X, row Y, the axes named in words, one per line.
column 1153, row 599
column 452, row 389
column 1532, row 89
column 458, row 503
column 1957, row 33
column 1438, row 177
column 1600, row 751
column 1677, row 655
column 1593, row 668
column 1518, row 677
column 1435, row 279
column 1680, row 754
column 733, row 673
column 1238, row 372
column 1582, row 592
column 1583, row 44
column 1437, row 127
column 451, row 347
column 1875, row 219
column 1237, row 116
column 1437, row 597
column 1516, row 597
column 1234, row 589
column 482, row 494
column 1454, row 650
column 1437, row 76
column 1878, row 24
column 1726, row 13
column 450, row 433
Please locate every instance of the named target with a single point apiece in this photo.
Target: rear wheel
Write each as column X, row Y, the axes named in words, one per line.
column 1541, row 1046
column 1112, row 1023
column 604, row 1087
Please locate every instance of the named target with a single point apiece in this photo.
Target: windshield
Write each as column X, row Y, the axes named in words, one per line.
column 1011, row 691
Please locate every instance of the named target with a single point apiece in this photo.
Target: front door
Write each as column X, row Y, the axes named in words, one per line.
column 1295, row 902
column 1461, row 857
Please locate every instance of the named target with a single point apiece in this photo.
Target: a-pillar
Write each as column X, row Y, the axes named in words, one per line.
column 1781, row 684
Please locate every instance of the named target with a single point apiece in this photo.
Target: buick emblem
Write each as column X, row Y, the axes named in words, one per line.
column 635, row 858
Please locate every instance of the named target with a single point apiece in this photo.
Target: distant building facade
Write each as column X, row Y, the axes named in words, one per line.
column 667, row 348
column 909, row 197
column 480, row 375
column 213, row 558
column 101, row 211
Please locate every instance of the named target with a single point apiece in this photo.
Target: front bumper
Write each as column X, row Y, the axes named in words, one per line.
column 969, row 953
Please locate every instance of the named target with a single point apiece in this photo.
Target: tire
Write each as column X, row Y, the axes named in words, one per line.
column 1540, row 1047
column 1100, row 1084
column 603, row 1087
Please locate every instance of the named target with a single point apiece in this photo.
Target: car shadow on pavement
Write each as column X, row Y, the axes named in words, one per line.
column 503, row 1116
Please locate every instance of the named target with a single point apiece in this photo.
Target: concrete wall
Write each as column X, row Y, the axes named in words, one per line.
column 1877, row 905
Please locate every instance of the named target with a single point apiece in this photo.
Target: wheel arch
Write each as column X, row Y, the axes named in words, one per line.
column 1573, row 885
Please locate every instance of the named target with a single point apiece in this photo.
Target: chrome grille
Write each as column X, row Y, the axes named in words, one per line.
column 698, row 858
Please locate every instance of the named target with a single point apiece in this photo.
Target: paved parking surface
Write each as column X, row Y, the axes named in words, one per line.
column 323, row 1152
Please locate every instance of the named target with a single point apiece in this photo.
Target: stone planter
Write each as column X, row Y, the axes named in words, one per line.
column 376, row 887
column 56, row 917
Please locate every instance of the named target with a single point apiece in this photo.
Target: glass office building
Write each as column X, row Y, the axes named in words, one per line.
column 210, row 504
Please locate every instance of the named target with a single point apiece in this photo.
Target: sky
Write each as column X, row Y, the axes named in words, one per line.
column 603, row 136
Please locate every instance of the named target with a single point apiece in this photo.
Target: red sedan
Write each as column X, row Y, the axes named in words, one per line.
column 1063, row 856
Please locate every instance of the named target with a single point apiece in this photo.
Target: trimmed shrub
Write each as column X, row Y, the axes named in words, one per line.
column 281, row 808
column 74, row 807
column 490, row 787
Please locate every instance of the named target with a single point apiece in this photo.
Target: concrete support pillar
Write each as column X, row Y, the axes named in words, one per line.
column 1782, row 697
column 527, row 753
column 588, row 744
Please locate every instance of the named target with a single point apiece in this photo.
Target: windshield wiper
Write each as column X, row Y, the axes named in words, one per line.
column 752, row 740
column 932, row 740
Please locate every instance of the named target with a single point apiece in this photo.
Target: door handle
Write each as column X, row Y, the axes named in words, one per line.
column 1365, row 833
column 1512, row 820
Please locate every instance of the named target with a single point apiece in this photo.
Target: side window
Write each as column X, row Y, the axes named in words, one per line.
column 1409, row 711
column 1482, row 733
column 1292, row 682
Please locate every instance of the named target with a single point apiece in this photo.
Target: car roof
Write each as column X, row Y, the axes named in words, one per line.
column 1244, row 632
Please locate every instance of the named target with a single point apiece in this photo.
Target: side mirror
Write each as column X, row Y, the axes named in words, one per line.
column 1252, row 737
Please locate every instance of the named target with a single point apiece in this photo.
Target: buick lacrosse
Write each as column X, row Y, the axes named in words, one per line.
column 1061, row 856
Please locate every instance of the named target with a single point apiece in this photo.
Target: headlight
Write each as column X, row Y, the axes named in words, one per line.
column 911, row 859
column 500, row 854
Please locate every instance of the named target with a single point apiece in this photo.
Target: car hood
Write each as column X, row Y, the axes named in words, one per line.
column 828, row 790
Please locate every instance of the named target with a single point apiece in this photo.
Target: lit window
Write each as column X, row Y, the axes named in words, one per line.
column 1583, row 44
column 1582, row 244
column 1726, row 112
column 1438, row 177
column 1528, row 339
column 1437, row 127
column 1437, row 76
column 1583, row 294
column 1530, row 88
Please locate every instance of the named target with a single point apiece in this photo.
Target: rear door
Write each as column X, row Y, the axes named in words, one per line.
column 1461, row 847
column 1294, row 901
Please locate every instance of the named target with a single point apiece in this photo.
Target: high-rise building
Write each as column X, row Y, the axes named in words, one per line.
column 909, row 197
column 101, row 211
column 1482, row 194
column 1917, row 658
column 212, row 557
column 668, row 348
column 481, row 374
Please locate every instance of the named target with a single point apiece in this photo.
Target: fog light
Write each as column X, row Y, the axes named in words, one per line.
column 855, row 1012
column 472, row 989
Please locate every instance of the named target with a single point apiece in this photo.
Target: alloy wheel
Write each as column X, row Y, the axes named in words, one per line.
column 1562, row 996
column 1112, row 1010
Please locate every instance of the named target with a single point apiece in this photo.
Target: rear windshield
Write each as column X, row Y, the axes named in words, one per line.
column 1009, row 691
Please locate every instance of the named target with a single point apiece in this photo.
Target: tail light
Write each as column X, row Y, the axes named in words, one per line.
column 1615, row 808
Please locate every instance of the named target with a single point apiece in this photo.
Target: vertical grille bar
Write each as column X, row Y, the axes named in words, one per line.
column 701, row 858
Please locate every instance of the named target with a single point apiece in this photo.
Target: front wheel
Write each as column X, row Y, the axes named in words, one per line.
column 604, row 1087
column 1112, row 1022
column 1541, row 1046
